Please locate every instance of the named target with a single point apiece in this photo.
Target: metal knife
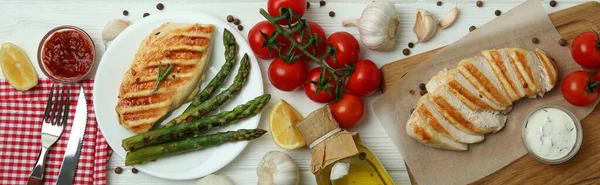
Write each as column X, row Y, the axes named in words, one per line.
column 71, row 157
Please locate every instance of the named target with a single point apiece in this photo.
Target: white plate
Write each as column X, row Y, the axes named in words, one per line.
column 116, row 62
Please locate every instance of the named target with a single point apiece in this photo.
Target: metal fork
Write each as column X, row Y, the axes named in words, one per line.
column 53, row 124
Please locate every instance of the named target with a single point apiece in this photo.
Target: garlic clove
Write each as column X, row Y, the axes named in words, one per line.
column 449, row 18
column 214, row 180
column 378, row 25
column 339, row 170
column 425, row 26
column 112, row 29
column 277, row 168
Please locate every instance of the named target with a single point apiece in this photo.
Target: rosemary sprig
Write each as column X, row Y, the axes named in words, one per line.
column 162, row 75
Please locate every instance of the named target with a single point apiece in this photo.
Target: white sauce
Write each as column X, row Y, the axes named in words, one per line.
column 550, row 133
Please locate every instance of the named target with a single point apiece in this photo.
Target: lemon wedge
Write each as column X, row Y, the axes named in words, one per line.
column 282, row 123
column 17, row 67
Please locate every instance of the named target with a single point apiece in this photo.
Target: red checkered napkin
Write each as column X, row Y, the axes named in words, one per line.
column 21, row 116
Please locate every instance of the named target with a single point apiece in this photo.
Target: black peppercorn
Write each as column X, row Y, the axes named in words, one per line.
column 160, row 6
column 411, row 45
column 552, row 3
column 497, row 12
column 362, row 156
column 423, row 92
column 146, row 14
column 125, row 12
column 472, row 28
column 321, row 3
column 439, row 3
column 236, row 21
column 230, row 18
column 412, row 92
column 331, row 14
column 535, row 40
column 422, row 86
column 134, row 170
column 118, row 170
column 562, row 42
column 479, row 3
column 240, row 27
column 406, row 51
column 307, row 5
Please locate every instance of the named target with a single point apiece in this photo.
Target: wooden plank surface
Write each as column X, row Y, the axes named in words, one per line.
column 584, row 168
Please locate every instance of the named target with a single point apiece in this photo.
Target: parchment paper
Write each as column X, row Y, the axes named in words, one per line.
column 514, row 28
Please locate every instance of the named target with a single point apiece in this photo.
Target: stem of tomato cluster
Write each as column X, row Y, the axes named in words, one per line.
column 295, row 44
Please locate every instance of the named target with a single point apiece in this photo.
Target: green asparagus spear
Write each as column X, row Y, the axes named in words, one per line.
column 231, row 49
column 194, row 127
column 190, row 144
column 213, row 103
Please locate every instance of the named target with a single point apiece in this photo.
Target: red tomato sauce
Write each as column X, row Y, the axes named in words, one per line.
column 68, row 54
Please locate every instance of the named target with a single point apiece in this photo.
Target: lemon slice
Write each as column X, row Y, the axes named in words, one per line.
column 17, row 67
column 282, row 123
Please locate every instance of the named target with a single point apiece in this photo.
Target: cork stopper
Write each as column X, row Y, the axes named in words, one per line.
column 317, row 124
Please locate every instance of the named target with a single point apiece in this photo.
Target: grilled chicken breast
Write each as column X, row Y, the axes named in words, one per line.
column 465, row 103
column 184, row 46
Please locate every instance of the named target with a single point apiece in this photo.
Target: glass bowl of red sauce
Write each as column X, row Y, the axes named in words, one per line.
column 66, row 54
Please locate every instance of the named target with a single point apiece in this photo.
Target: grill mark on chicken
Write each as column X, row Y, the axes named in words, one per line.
column 487, row 84
column 187, row 40
column 520, row 77
column 431, row 121
column 420, row 132
column 521, row 56
column 457, row 119
column 499, row 62
column 141, row 100
column 547, row 64
column 456, row 89
column 143, row 114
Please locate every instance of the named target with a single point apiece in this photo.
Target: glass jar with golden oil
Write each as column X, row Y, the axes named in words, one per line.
column 339, row 157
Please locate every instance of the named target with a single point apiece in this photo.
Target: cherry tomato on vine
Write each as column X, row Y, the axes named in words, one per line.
column 324, row 95
column 298, row 6
column 347, row 49
column 256, row 40
column 586, row 51
column 348, row 111
column 365, row 79
column 287, row 76
column 578, row 89
column 320, row 49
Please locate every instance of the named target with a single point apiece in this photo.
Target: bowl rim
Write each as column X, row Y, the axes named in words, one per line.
column 578, row 137
column 40, row 54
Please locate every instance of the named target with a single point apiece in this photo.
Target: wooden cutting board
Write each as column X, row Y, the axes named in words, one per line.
column 584, row 168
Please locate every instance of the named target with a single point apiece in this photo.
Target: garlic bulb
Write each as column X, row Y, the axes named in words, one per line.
column 277, row 168
column 425, row 26
column 112, row 29
column 214, row 180
column 377, row 25
column 449, row 18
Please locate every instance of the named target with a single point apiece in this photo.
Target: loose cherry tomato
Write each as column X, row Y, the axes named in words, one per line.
column 256, row 40
column 324, row 95
column 287, row 76
column 580, row 88
column 365, row 79
column 298, row 6
column 348, row 111
column 317, row 51
column 347, row 49
column 586, row 51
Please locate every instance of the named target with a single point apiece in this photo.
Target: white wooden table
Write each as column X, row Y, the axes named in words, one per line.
column 25, row 22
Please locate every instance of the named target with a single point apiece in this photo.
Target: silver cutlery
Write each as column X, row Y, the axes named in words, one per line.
column 53, row 124
column 71, row 157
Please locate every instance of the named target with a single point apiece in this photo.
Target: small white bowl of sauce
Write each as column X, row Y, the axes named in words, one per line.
column 552, row 134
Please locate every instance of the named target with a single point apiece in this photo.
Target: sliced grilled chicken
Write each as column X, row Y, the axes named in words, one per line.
column 479, row 72
column 505, row 73
column 417, row 129
column 439, row 124
column 458, row 85
column 519, row 56
column 457, row 113
column 184, row 46
column 548, row 69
